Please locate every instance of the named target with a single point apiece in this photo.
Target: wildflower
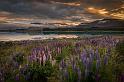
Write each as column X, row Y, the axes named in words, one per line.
column 97, row 77
column 74, row 67
column 105, row 59
column 86, row 72
column 108, row 51
column 62, row 64
column 17, row 77
column 97, row 55
column 79, row 74
column 97, row 64
column 16, row 65
column 121, row 78
column 66, row 74
column 91, row 54
column 27, row 77
column 44, row 59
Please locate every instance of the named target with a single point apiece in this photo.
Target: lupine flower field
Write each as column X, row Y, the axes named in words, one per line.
column 99, row 59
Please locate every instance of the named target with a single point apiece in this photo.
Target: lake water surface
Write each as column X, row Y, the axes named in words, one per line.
column 14, row 36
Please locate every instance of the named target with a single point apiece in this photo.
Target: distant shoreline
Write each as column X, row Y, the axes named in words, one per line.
column 71, row 32
column 121, row 38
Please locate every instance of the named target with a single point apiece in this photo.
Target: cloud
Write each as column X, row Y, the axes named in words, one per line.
column 50, row 10
column 73, row 10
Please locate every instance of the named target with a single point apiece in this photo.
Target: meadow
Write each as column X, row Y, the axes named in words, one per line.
column 99, row 59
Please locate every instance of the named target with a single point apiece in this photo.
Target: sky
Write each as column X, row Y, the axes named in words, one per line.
column 60, row 11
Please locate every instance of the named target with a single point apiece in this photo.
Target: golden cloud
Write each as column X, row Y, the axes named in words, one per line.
column 69, row 3
column 116, row 13
column 98, row 11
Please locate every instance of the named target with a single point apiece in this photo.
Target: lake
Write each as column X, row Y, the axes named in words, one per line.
column 15, row 36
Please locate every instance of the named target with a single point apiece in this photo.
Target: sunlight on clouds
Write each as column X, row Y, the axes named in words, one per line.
column 4, row 15
column 103, row 11
column 115, row 13
column 2, row 18
column 73, row 23
column 98, row 11
column 72, row 4
column 69, row 4
column 118, row 13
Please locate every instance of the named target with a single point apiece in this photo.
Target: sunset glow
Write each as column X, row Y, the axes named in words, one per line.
column 98, row 11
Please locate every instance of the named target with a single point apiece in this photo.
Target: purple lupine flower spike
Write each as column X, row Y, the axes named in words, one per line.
column 17, row 77
column 121, row 78
column 27, row 77
column 66, row 74
column 74, row 67
column 108, row 51
column 91, row 54
column 105, row 59
column 63, row 65
column 97, row 78
column 79, row 74
column 97, row 64
column 86, row 72
column 97, row 55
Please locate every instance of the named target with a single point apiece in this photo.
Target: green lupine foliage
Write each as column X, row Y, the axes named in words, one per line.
column 66, row 51
column 39, row 73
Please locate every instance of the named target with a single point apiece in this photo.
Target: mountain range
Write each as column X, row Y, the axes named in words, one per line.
column 103, row 24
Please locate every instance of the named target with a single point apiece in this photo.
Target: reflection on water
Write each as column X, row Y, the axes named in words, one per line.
column 8, row 36
column 13, row 36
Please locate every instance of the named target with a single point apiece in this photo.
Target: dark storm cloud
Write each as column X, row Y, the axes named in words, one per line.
column 110, row 4
column 52, row 9
column 104, row 3
column 37, row 8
